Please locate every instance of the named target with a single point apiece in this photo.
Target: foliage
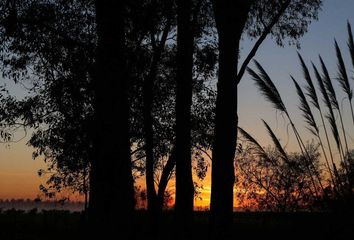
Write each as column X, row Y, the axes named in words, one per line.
column 54, row 59
column 270, row 182
column 291, row 26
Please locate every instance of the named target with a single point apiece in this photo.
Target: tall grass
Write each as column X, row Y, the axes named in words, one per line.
column 311, row 122
column 269, row 90
column 340, row 177
column 330, row 114
column 312, row 94
column 333, row 99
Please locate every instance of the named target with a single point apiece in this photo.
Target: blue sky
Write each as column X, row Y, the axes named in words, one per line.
column 281, row 62
column 18, row 170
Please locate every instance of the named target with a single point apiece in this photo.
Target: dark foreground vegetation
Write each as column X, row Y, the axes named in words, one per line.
column 16, row 225
column 119, row 90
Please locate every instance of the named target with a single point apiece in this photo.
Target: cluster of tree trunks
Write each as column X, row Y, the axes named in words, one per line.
column 117, row 22
column 111, row 179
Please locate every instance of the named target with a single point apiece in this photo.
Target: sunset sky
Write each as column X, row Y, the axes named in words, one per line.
column 18, row 172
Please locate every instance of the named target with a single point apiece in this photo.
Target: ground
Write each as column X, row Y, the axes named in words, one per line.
column 18, row 225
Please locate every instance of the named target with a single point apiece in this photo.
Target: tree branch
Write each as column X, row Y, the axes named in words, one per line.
column 260, row 41
column 203, row 151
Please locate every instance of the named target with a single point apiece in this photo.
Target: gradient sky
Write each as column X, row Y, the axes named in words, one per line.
column 18, row 172
column 281, row 62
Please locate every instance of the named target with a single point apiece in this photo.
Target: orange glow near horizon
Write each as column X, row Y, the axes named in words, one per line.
column 18, row 172
column 19, row 178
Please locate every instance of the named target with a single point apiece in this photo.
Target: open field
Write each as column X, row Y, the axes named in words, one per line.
column 18, row 225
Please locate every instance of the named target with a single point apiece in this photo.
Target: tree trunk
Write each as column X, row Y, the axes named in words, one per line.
column 112, row 192
column 184, row 181
column 165, row 177
column 225, row 136
column 85, row 189
column 149, row 139
column 230, row 17
column 148, row 96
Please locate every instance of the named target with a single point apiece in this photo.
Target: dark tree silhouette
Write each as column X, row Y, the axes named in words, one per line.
column 225, row 134
column 184, row 181
column 53, row 62
column 5, row 127
column 112, row 192
column 159, row 95
column 123, row 71
column 282, row 19
column 148, row 95
column 58, row 57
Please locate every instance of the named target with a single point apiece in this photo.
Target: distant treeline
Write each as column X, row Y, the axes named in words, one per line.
column 30, row 204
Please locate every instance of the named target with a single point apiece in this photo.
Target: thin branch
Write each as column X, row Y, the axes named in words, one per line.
column 205, row 152
column 260, row 41
column 137, row 150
